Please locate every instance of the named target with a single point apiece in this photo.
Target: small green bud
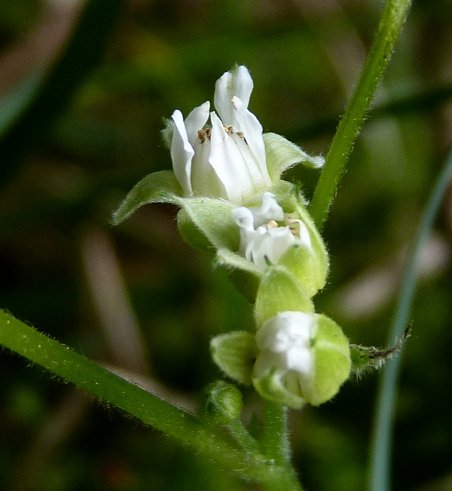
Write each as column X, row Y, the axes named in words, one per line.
column 224, row 402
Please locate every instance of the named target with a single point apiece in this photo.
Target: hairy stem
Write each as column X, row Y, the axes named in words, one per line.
column 390, row 26
column 140, row 403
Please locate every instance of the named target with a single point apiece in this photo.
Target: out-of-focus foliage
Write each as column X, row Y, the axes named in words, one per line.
column 64, row 269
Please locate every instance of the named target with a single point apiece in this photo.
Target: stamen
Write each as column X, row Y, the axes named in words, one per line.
column 204, row 133
column 272, row 224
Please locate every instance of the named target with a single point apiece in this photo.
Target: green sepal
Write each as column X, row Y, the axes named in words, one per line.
column 279, row 291
column 307, row 266
column 207, row 222
column 242, row 273
column 272, row 387
column 233, row 261
column 332, row 361
column 158, row 187
column 235, row 353
column 281, row 154
column 310, row 265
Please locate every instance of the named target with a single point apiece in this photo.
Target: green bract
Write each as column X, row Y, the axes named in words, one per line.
column 280, row 290
column 235, row 352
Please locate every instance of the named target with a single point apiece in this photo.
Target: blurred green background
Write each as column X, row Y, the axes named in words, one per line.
column 83, row 97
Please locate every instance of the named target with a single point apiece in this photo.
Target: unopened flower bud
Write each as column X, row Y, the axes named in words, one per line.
column 224, row 402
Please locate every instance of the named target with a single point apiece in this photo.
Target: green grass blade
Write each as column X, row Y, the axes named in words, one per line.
column 380, row 450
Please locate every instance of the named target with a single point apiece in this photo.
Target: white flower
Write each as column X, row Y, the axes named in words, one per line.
column 262, row 241
column 302, row 357
column 286, row 349
column 226, row 157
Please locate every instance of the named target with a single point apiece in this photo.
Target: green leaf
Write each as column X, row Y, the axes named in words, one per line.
column 280, row 291
column 158, row 187
column 282, row 154
column 235, row 352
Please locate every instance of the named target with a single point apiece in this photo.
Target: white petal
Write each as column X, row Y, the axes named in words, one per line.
column 243, row 218
column 292, row 325
column 300, row 360
column 181, row 153
column 196, row 120
column 238, row 83
column 268, row 361
column 246, row 122
column 204, row 179
column 285, row 340
column 229, row 164
column 269, row 210
column 305, row 238
column 270, row 247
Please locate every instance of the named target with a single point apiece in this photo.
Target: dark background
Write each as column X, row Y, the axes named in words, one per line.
column 137, row 297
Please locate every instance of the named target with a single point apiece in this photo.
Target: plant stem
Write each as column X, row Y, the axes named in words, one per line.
column 391, row 23
column 380, row 454
column 274, row 441
column 242, row 437
column 150, row 409
column 275, row 438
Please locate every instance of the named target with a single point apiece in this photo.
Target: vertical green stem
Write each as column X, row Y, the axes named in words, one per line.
column 276, row 447
column 275, row 442
column 380, row 457
column 390, row 26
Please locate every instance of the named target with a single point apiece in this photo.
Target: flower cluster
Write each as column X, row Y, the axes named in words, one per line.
column 226, row 180
column 225, row 158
